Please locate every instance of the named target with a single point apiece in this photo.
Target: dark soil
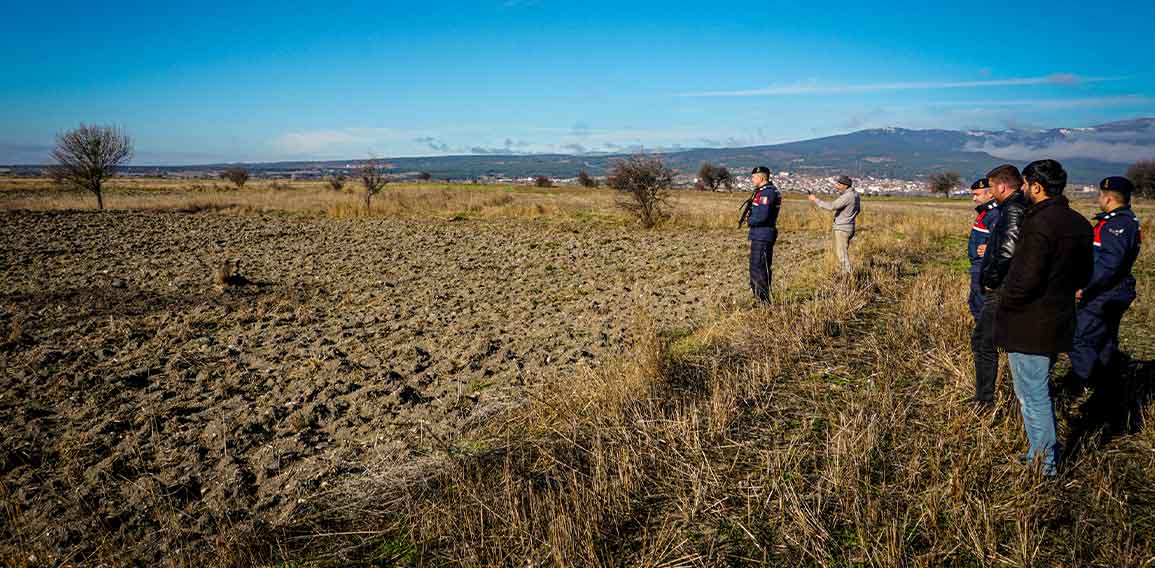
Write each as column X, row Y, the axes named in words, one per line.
column 151, row 415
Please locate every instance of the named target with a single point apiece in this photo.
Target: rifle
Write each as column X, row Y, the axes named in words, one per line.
column 746, row 209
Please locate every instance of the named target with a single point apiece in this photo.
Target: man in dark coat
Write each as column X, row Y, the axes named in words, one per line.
column 1036, row 317
column 1005, row 182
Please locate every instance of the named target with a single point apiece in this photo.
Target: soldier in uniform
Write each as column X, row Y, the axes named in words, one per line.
column 986, row 217
column 761, row 213
column 1112, row 288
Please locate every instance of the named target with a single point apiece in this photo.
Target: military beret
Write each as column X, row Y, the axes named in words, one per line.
column 761, row 170
column 981, row 184
column 1117, row 183
column 844, row 180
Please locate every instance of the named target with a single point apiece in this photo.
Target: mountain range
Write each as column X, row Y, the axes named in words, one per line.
column 1089, row 154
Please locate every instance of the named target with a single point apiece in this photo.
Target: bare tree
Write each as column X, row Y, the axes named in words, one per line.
column 542, row 181
column 586, row 180
column 711, row 177
column 943, row 182
column 372, row 175
column 644, row 182
column 336, row 182
column 88, row 156
column 424, row 176
column 1142, row 174
column 237, row 175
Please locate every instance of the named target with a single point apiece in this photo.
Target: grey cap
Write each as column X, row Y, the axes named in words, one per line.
column 844, row 180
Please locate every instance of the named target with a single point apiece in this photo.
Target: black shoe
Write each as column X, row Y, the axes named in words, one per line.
column 1071, row 385
column 982, row 406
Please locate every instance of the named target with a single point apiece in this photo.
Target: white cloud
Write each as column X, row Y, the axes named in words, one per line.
column 1051, row 104
column 816, row 88
column 1105, row 151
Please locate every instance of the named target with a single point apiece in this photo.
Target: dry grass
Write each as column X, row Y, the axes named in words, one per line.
column 827, row 430
column 692, row 209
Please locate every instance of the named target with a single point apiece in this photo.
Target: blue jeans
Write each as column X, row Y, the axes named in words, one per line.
column 1031, row 375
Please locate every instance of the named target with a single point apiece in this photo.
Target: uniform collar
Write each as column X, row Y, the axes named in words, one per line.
column 1125, row 209
column 991, row 204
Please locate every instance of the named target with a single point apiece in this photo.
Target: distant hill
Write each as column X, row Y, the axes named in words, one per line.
column 1089, row 154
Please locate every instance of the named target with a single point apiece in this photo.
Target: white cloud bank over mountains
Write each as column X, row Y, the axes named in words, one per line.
column 1118, row 142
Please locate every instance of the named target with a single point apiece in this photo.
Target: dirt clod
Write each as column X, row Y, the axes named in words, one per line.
column 147, row 414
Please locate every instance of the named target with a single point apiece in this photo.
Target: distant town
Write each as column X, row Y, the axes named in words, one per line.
column 789, row 182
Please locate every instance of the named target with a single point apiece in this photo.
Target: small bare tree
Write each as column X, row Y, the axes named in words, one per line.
column 372, row 175
column 711, row 177
column 644, row 182
column 1142, row 174
column 542, row 181
column 88, row 156
column 943, row 182
column 586, row 180
column 336, row 182
column 236, row 175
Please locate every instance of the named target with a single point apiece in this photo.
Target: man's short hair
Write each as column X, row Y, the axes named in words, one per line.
column 1118, row 185
column 1007, row 174
column 1047, row 173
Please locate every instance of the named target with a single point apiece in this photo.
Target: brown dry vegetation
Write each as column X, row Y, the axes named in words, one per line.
column 398, row 200
column 827, row 429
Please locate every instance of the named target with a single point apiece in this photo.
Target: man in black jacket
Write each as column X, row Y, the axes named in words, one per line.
column 1036, row 317
column 1005, row 181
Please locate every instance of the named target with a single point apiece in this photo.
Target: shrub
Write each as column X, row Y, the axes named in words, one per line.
column 1142, row 174
column 943, row 182
column 542, row 181
column 238, row 176
column 373, row 179
column 585, row 180
column 644, row 182
column 88, row 156
column 711, row 177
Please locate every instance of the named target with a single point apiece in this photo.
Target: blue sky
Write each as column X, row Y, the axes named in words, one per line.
column 256, row 80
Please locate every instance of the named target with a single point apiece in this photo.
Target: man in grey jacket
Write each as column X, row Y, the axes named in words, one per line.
column 845, row 207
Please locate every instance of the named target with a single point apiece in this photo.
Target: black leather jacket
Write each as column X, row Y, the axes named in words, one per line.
column 1001, row 246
